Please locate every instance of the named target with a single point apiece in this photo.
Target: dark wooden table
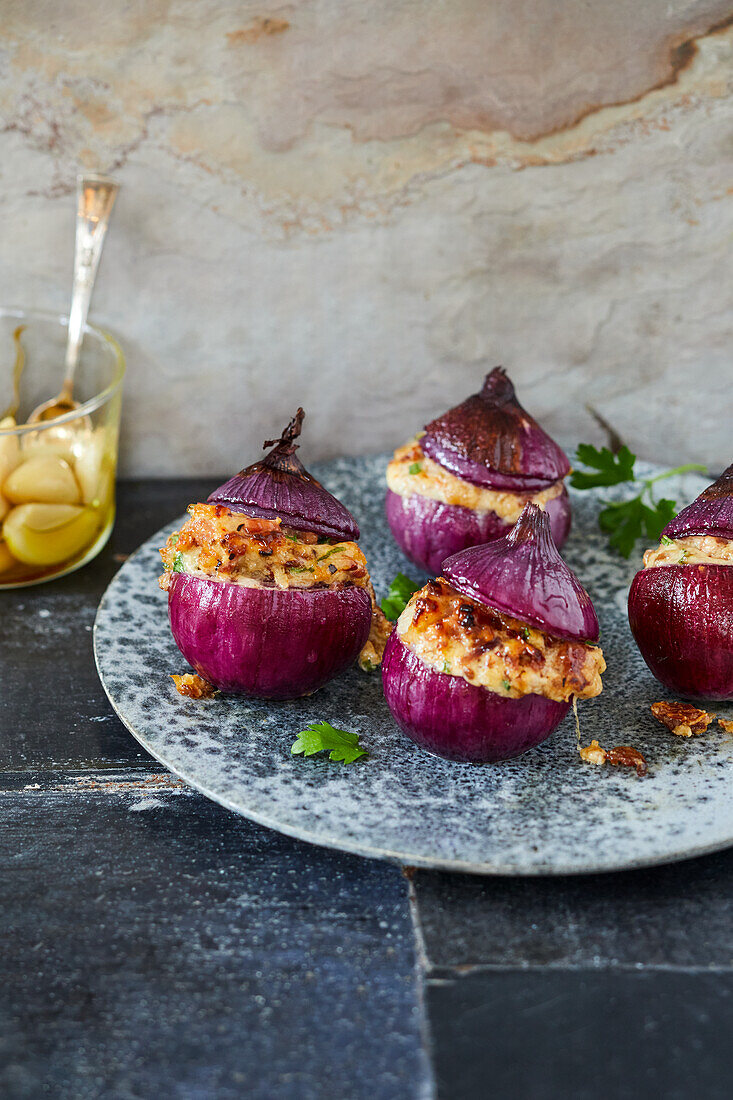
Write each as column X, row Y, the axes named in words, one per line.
column 155, row 945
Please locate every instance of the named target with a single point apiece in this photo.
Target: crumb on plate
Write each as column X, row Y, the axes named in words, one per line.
column 195, row 687
column 681, row 718
column 623, row 756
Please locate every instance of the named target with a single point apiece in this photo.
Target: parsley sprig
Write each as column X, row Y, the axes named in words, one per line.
column 396, row 600
column 323, row 737
column 625, row 521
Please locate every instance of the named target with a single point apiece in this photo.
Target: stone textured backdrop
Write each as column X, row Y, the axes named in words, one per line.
column 361, row 205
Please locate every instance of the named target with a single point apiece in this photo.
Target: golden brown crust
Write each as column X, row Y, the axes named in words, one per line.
column 681, row 718
column 456, row 635
column 193, row 686
column 227, row 545
column 726, row 724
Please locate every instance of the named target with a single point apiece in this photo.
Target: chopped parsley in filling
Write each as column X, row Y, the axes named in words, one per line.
column 229, row 546
column 692, row 550
column 456, row 635
column 412, row 472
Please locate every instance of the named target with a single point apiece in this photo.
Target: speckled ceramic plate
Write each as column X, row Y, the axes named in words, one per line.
column 544, row 813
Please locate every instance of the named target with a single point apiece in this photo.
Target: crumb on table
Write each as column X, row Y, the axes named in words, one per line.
column 727, row 724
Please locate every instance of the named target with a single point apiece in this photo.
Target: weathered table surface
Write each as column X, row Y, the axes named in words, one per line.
column 156, row 945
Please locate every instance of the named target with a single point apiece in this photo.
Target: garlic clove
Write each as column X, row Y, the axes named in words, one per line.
column 44, row 479
column 48, row 534
column 9, row 449
column 88, row 467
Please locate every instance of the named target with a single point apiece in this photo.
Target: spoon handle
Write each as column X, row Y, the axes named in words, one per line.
column 95, row 198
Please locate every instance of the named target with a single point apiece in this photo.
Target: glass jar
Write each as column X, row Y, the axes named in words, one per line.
column 57, row 497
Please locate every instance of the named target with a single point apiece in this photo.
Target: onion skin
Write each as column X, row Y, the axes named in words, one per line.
column 681, row 617
column 428, row 531
column 461, row 721
column 491, row 440
column 523, row 575
column 279, row 486
column 709, row 514
column 268, row 642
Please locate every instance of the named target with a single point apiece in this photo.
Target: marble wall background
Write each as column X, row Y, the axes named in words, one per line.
column 361, row 205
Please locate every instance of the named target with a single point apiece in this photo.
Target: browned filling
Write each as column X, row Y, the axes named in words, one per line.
column 456, row 635
column 412, row 472
column 217, row 542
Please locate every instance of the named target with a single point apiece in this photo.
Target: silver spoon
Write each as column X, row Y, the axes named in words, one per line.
column 95, row 198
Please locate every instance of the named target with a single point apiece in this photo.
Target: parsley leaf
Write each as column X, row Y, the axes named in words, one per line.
column 611, row 469
column 415, row 468
column 178, row 563
column 658, row 518
column 400, row 590
column 323, row 737
column 626, row 521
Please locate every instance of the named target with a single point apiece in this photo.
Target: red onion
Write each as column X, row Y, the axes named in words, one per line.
column 490, row 440
column 277, row 643
column 280, row 485
column 429, row 531
column 462, row 721
column 268, row 642
column 682, row 615
column 523, row 575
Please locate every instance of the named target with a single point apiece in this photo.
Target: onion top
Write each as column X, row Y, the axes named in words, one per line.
column 710, row 514
column 490, row 440
column 280, row 486
column 523, row 575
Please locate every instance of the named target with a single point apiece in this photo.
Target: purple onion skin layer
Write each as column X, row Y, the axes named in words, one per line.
column 461, row 721
column 268, row 642
column 681, row 617
column 279, row 486
column 523, row 575
column 709, row 514
column 491, row 440
column 428, row 531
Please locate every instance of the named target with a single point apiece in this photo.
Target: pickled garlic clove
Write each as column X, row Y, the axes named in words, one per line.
column 7, row 561
column 4, row 507
column 65, row 440
column 88, row 467
column 48, row 534
column 43, row 479
column 9, row 449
